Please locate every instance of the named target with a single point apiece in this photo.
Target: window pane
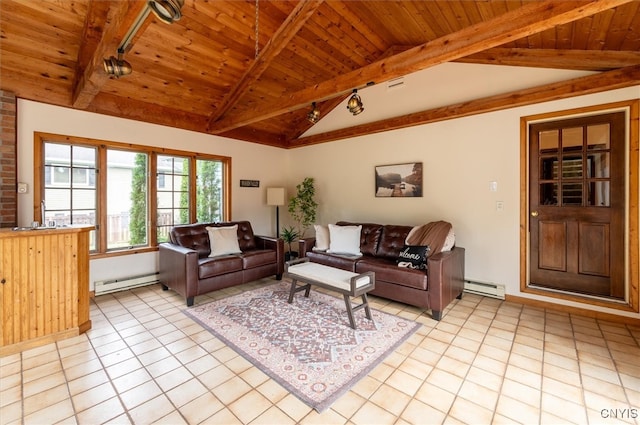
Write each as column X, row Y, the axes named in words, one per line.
column 549, row 194
column 57, row 199
column 572, row 194
column 83, row 156
column 598, row 165
column 172, row 193
column 599, row 194
column 209, row 191
column 549, row 168
column 571, row 166
column 60, row 176
column 55, row 153
column 126, row 199
column 83, row 199
column 572, row 139
column 549, row 141
column 70, row 190
column 598, row 136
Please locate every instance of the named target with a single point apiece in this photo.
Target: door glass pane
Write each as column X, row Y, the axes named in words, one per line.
column 571, row 166
column 549, row 194
column 572, row 139
column 598, row 195
column 549, row 168
column 572, row 194
column 598, row 165
column 598, row 136
column 549, row 141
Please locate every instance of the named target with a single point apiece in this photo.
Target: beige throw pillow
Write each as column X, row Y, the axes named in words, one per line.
column 223, row 240
column 322, row 237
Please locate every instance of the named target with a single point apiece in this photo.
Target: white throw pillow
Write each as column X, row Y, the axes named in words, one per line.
column 322, row 237
column 223, row 240
column 344, row 239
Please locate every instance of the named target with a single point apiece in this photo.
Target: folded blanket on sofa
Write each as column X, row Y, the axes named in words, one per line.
column 433, row 234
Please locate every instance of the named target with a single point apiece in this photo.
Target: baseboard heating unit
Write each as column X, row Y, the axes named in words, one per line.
column 485, row 289
column 124, row 283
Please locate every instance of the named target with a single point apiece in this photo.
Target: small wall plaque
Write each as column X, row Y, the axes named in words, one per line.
column 249, row 183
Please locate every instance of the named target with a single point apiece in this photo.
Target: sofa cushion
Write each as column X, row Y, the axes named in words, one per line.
column 392, row 241
column 210, row 267
column 223, row 240
column 246, row 238
column 258, row 257
column 369, row 236
column 344, row 239
column 192, row 236
column 388, row 271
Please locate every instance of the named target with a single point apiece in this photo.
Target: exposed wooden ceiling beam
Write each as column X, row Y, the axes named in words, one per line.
column 529, row 19
column 247, row 134
column 107, row 22
column 110, row 104
column 611, row 80
column 289, row 28
column 584, row 60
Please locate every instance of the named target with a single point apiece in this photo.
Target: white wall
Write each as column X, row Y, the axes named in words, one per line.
column 249, row 161
column 460, row 157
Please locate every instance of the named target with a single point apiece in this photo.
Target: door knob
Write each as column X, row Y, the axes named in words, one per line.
column 534, row 213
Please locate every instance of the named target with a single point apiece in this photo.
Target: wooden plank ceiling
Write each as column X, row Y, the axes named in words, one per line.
column 206, row 72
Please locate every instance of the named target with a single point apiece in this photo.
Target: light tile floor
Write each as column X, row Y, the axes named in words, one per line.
column 487, row 361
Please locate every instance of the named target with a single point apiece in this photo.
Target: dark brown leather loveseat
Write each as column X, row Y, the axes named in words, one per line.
column 433, row 288
column 185, row 265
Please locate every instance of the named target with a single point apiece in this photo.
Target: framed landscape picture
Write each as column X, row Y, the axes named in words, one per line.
column 399, row 180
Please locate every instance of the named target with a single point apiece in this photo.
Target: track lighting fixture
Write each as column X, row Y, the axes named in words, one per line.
column 355, row 103
column 314, row 114
column 168, row 11
column 117, row 67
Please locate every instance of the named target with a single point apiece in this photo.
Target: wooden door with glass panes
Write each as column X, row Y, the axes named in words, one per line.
column 576, row 205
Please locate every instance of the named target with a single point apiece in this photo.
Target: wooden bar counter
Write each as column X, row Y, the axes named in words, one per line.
column 44, row 286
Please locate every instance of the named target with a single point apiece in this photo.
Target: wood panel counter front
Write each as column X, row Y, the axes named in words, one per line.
column 44, row 286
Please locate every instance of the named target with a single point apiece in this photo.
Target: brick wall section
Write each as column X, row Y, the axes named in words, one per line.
column 8, row 160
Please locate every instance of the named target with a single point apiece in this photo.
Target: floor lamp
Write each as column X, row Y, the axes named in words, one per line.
column 275, row 196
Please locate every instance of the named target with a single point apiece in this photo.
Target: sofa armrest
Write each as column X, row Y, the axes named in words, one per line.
column 179, row 269
column 445, row 277
column 305, row 245
column 277, row 244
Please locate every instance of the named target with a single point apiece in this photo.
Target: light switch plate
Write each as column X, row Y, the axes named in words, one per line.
column 493, row 186
column 23, row 187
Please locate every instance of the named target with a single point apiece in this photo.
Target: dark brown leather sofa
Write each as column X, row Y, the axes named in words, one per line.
column 185, row 265
column 380, row 245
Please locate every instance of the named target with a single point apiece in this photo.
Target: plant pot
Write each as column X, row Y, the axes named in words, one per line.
column 290, row 255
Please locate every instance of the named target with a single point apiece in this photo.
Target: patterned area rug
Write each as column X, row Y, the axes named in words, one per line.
column 308, row 346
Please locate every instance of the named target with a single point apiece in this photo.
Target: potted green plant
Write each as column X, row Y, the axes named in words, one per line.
column 303, row 206
column 289, row 235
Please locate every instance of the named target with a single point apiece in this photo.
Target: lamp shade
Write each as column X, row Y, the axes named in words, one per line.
column 275, row 196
